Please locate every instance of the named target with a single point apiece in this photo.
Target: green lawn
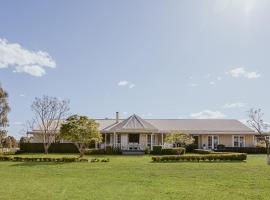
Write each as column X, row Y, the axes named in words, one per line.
column 136, row 177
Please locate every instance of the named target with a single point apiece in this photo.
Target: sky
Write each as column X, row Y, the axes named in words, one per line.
column 154, row 58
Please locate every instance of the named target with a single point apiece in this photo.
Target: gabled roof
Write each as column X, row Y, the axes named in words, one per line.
column 193, row 126
column 134, row 123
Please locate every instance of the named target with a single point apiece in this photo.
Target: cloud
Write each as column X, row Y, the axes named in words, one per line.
column 242, row 72
column 33, row 70
column 208, row 114
column 219, row 78
column 234, row 105
column 24, row 61
column 126, row 83
column 22, row 95
column 122, row 83
column 193, row 84
column 132, row 85
column 212, row 83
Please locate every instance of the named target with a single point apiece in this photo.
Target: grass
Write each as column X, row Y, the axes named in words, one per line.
column 135, row 177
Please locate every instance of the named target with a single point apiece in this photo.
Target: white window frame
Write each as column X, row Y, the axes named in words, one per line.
column 212, row 138
column 238, row 140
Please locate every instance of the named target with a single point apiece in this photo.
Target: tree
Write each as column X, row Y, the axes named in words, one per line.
column 9, row 142
column 4, row 109
column 48, row 114
column 81, row 131
column 257, row 123
column 3, row 135
column 24, row 140
column 180, row 138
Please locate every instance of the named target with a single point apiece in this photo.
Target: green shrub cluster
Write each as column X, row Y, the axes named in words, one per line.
column 45, row 159
column 54, row 148
column 7, row 152
column 109, row 151
column 206, row 157
column 202, row 151
column 158, row 150
column 249, row 150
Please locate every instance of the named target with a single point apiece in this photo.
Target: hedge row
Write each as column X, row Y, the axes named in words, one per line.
column 250, row 150
column 54, row 148
column 108, row 151
column 158, row 150
column 208, row 157
column 64, row 159
column 202, row 151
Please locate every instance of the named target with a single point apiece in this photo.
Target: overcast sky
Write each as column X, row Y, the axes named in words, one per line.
column 158, row 59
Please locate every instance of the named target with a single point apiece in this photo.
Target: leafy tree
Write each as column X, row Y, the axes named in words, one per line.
column 24, row 140
column 9, row 142
column 257, row 123
column 4, row 110
column 3, row 135
column 49, row 113
column 177, row 137
column 81, row 131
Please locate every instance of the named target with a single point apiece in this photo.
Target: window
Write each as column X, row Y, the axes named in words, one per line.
column 118, row 139
column 238, row 141
column 213, row 141
column 210, row 144
column 148, row 140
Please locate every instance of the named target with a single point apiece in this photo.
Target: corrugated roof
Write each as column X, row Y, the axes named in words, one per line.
column 194, row 126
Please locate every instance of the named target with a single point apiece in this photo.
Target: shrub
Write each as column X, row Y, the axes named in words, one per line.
column 249, row 150
column 105, row 160
column 45, row 159
column 206, row 157
column 202, row 151
column 94, row 160
column 146, row 150
column 190, row 148
column 173, row 151
column 109, row 151
column 157, row 150
column 220, row 147
column 8, row 153
column 54, row 148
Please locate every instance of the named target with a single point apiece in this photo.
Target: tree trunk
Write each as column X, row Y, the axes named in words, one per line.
column 46, row 148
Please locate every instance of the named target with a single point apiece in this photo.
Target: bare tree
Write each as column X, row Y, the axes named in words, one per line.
column 48, row 114
column 257, row 123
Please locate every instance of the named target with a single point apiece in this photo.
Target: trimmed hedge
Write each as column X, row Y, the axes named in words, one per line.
column 54, row 148
column 202, row 151
column 249, row 150
column 207, row 157
column 109, row 151
column 64, row 159
column 158, row 150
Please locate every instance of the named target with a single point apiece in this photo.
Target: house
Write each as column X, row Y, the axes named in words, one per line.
column 135, row 133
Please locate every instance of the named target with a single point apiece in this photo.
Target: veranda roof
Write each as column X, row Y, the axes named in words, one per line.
column 132, row 124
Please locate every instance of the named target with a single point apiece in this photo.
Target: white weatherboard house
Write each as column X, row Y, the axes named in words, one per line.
column 135, row 133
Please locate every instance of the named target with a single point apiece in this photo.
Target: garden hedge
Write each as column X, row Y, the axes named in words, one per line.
column 158, row 150
column 54, row 148
column 206, row 157
column 46, row 159
column 249, row 150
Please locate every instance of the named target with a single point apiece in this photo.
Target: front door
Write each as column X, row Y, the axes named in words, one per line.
column 196, row 141
column 134, row 138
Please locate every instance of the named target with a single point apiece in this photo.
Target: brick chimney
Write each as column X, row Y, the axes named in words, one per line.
column 116, row 117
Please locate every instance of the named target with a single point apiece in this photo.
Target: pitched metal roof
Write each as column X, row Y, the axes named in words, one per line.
column 134, row 123
column 193, row 126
